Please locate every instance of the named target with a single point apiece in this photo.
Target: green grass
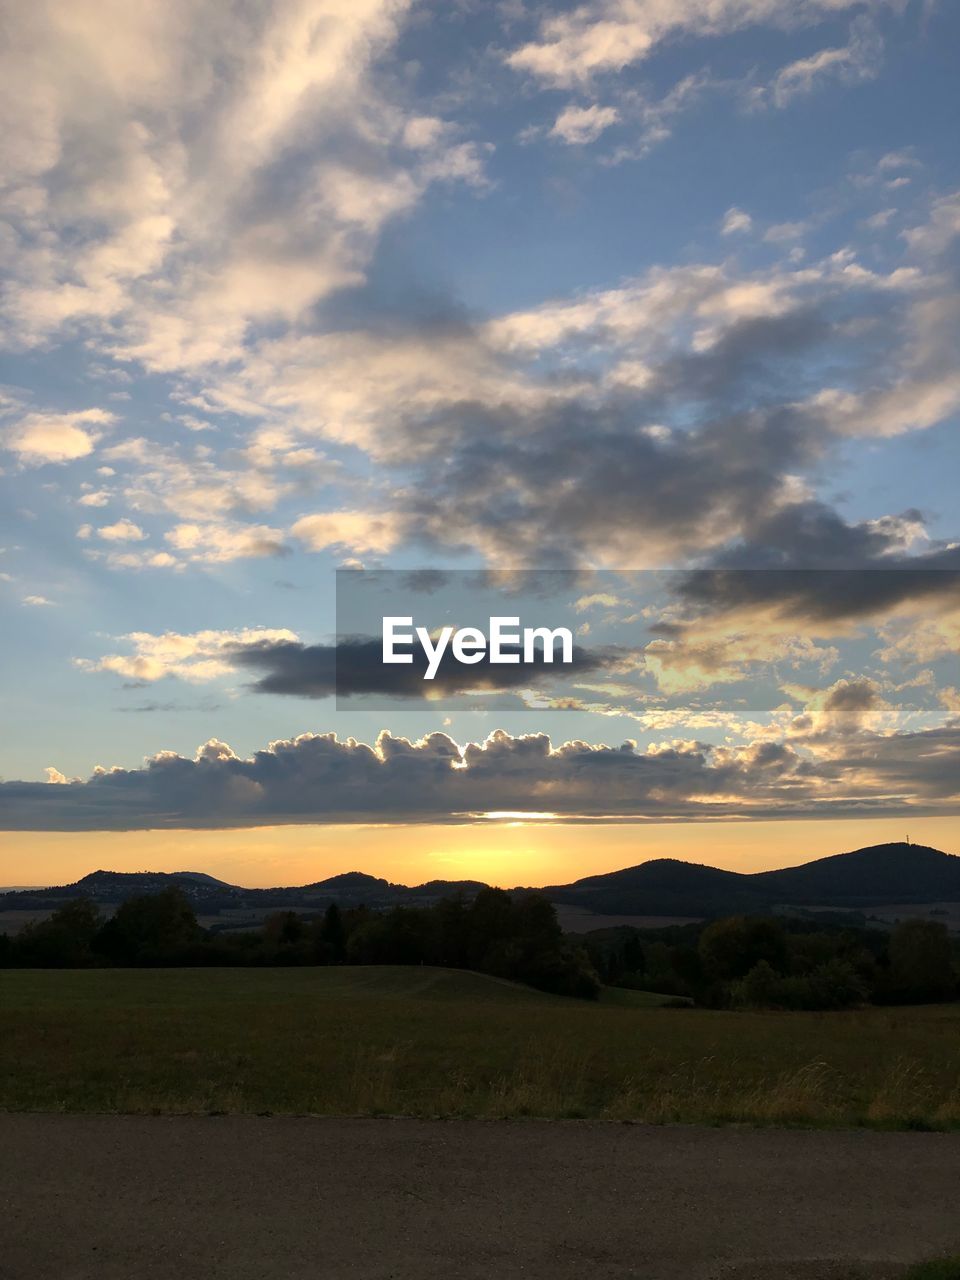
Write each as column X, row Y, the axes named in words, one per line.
column 624, row 998
column 369, row 1041
column 943, row 1269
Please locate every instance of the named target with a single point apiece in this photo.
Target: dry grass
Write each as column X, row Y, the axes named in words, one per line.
column 377, row 1041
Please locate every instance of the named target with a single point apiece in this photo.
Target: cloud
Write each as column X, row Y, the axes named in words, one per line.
column 213, row 543
column 941, row 228
column 216, row 217
column 196, row 657
column 606, row 36
column 924, row 636
column 852, row 63
column 879, row 220
column 39, row 438
column 357, row 531
column 137, row 559
column 848, row 707
column 685, row 373
column 354, row 666
column 121, row 531
column 863, row 583
column 179, row 178
column 486, row 446
column 601, row 599
column 894, row 160
column 718, row 655
column 920, row 385
column 210, row 495
column 579, row 125
column 784, row 232
column 317, row 778
column 36, row 602
column 735, row 220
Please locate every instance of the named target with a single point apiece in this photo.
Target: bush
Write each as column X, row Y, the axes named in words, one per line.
column 833, row 985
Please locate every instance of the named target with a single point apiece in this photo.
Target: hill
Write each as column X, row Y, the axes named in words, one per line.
column 664, row 886
column 210, row 896
column 880, row 875
column 877, row 876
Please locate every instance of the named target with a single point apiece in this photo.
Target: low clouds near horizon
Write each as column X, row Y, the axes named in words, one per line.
column 837, row 767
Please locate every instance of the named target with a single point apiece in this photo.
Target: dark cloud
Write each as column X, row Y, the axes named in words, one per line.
column 580, row 484
column 354, row 666
column 854, row 578
column 755, row 360
column 318, row 779
column 588, row 473
column 425, row 581
column 810, row 535
column 619, row 442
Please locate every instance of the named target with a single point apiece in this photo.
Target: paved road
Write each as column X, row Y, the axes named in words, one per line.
column 243, row 1198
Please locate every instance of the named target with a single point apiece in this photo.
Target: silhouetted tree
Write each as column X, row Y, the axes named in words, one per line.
column 492, row 921
column 285, row 939
column 730, row 948
column 399, row 936
column 921, row 961
column 63, row 940
column 156, row 928
column 452, row 936
column 688, row 966
column 331, row 937
column 535, row 919
column 632, row 958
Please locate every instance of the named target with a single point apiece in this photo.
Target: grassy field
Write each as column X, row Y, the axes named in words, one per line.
column 394, row 1041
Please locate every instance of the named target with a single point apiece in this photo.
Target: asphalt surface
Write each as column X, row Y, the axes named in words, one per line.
column 144, row 1198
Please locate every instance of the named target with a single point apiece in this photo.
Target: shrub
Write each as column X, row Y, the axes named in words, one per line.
column 833, row 985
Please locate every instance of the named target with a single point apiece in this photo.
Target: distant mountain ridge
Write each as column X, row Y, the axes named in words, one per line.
column 99, row 880
column 876, row 876
column 210, row 895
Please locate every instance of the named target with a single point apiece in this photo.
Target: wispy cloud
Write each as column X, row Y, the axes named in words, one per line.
column 858, row 60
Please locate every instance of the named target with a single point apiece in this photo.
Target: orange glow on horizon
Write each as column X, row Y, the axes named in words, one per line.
column 506, row 853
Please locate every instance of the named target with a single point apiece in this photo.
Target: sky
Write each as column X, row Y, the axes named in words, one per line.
column 659, row 296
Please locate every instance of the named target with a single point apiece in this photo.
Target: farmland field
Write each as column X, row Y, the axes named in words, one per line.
column 428, row 1042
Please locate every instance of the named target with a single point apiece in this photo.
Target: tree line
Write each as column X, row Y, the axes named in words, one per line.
column 736, row 962
column 515, row 937
column 781, row 963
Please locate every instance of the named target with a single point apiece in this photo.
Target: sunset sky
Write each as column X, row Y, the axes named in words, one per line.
column 598, row 288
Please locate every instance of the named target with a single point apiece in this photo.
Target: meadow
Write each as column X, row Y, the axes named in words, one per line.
column 390, row 1040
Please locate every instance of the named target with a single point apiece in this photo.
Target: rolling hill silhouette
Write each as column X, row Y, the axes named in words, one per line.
column 880, row 875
